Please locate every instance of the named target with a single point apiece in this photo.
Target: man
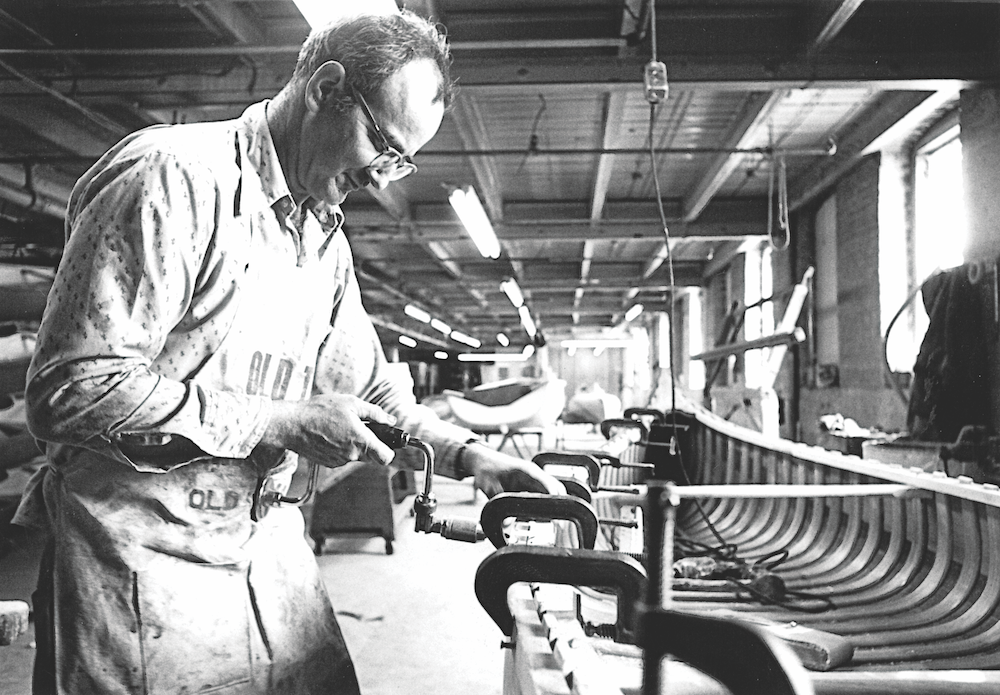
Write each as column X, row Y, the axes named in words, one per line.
column 204, row 328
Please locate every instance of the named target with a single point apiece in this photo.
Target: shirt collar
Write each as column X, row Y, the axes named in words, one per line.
column 261, row 165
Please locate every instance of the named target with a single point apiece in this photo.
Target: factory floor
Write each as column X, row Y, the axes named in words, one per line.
column 411, row 619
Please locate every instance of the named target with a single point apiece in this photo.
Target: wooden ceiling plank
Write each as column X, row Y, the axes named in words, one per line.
column 745, row 129
column 473, row 133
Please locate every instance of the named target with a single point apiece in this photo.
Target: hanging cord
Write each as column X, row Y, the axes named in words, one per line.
column 885, row 341
column 779, row 169
column 765, row 586
column 533, row 138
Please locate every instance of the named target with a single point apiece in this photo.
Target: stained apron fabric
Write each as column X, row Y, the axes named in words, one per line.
column 161, row 582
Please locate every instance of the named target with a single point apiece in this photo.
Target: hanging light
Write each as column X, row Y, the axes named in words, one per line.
column 633, row 312
column 407, row 341
column 513, row 292
column 528, row 350
column 503, row 339
column 474, row 219
column 417, row 313
column 527, row 321
column 439, row 325
column 466, row 339
column 441, row 354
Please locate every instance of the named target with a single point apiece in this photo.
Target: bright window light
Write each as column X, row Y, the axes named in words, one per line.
column 513, row 292
column 940, row 209
column 441, row 354
column 321, row 12
column 417, row 313
column 503, row 339
column 633, row 312
column 466, row 339
column 527, row 321
column 696, row 369
column 759, row 320
column 407, row 341
column 474, row 219
column 440, row 325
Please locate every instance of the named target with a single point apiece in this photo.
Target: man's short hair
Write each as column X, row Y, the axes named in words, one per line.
column 373, row 47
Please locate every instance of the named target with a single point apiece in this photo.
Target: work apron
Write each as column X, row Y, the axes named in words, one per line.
column 162, row 583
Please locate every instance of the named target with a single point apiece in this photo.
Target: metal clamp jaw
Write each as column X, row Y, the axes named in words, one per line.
column 617, row 573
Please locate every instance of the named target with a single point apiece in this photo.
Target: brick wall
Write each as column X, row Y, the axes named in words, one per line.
column 857, row 275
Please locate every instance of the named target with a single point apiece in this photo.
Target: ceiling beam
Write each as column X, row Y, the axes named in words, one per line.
column 239, row 85
column 571, row 231
column 613, row 116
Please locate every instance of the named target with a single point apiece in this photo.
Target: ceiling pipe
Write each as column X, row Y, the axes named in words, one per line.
column 32, row 201
column 828, row 151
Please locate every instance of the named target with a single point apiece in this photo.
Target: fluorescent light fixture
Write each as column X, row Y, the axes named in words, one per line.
column 633, row 312
column 527, row 321
column 321, row 12
column 503, row 339
column 528, row 350
column 477, row 224
column 407, row 341
column 441, row 354
column 513, row 292
column 492, row 357
column 415, row 312
column 466, row 339
column 440, row 325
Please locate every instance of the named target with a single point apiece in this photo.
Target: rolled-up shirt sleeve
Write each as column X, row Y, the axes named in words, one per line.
column 352, row 361
column 138, row 231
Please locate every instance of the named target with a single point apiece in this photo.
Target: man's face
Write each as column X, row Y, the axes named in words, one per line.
column 337, row 146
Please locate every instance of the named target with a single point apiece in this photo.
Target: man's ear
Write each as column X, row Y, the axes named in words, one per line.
column 327, row 83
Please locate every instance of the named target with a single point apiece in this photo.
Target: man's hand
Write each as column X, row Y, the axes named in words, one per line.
column 328, row 429
column 496, row 473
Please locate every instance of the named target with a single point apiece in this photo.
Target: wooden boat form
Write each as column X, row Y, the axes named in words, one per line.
column 890, row 576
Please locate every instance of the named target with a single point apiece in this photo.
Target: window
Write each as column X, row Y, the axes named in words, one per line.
column 936, row 240
column 758, row 320
column 941, row 228
column 696, row 343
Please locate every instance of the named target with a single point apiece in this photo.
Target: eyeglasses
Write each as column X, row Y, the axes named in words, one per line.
column 389, row 162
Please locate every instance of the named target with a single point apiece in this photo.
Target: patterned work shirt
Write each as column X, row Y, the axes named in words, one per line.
column 148, row 286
